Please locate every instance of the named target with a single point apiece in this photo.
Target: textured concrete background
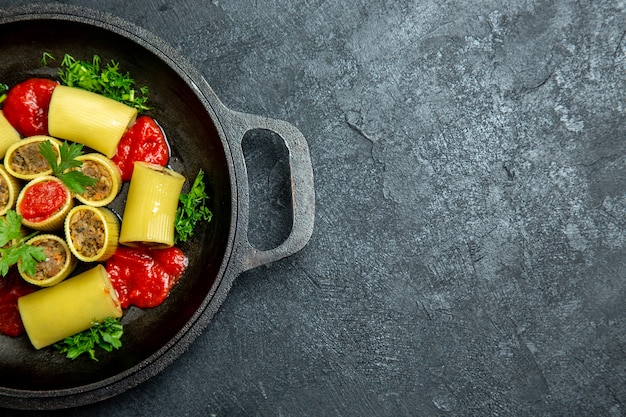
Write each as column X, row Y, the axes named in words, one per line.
column 469, row 251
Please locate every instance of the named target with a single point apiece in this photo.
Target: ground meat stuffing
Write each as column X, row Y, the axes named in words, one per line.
column 55, row 259
column 101, row 189
column 4, row 193
column 87, row 233
column 28, row 160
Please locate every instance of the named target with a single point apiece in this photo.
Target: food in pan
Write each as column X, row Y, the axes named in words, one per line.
column 192, row 209
column 54, row 313
column 57, row 265
column 150, row 211
column 88, row 118
column 24, row 161
column 68, row 200
column 62, row 165
column 44, row 202
column 92, row 233
column 108, row 180
column 8, row 134
column 13, row 247
column 26, row 106
column 106, row 79
column 9, row 189
column 106, row 335
column 144, row 141
column 142, row 276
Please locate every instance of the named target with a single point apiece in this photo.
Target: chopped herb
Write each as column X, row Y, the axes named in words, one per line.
column 75, row 180
column 45, row 57
column 108, row 81
column 191, row 209
column 105, row 335
column 13, row 247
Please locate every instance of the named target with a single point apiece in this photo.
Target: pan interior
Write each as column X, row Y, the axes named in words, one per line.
column 195, row 143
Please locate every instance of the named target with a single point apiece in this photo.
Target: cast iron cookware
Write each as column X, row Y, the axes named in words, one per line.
column 202, row 133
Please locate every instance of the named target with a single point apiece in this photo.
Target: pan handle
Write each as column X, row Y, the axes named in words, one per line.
column 302, row 189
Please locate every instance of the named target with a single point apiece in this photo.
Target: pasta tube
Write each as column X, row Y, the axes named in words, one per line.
column 94, row 120
column 150, row 210
column 43, row 203
column 109, row 179
column 9, row 189
column 24, row 161
column 57, row 266
column 52, row 314
column 92, row 233
column 8, row 134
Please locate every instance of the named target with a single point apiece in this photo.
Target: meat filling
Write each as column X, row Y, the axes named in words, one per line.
column 101, row 189
column 4, row 193
column 87, row 233
column 55, row 259
column 28, row 160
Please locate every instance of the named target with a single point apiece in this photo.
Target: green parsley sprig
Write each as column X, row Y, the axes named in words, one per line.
column 192, row 209
column 75, row 180
column 13, row 247
column 107, row 80
column 105, row 335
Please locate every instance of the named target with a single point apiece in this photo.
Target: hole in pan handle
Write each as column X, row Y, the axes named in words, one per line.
column 302, row 189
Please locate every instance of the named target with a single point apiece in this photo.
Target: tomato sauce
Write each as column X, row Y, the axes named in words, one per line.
column 143, row 141
column 42, row 200
column 143, row 277
column 12, row 287
column 26, row 106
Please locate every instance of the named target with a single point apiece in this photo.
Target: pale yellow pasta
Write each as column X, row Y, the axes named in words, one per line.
column 95, row 121
column 108, row 176
column 57, row 266
column 8, row 134
column 52, row 314
column 92, row 233
column 23, row 159
column 151, row 204
column 9, row 189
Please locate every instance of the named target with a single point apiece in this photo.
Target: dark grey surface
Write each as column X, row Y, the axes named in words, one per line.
column 468, row 253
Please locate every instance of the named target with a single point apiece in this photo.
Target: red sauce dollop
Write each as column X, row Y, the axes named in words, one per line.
column 26, row 106
column 143, row 141
column 42, row 200
column 143, row 277
column 12, row 287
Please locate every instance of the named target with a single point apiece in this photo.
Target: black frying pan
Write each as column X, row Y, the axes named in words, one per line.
column 202, row 133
